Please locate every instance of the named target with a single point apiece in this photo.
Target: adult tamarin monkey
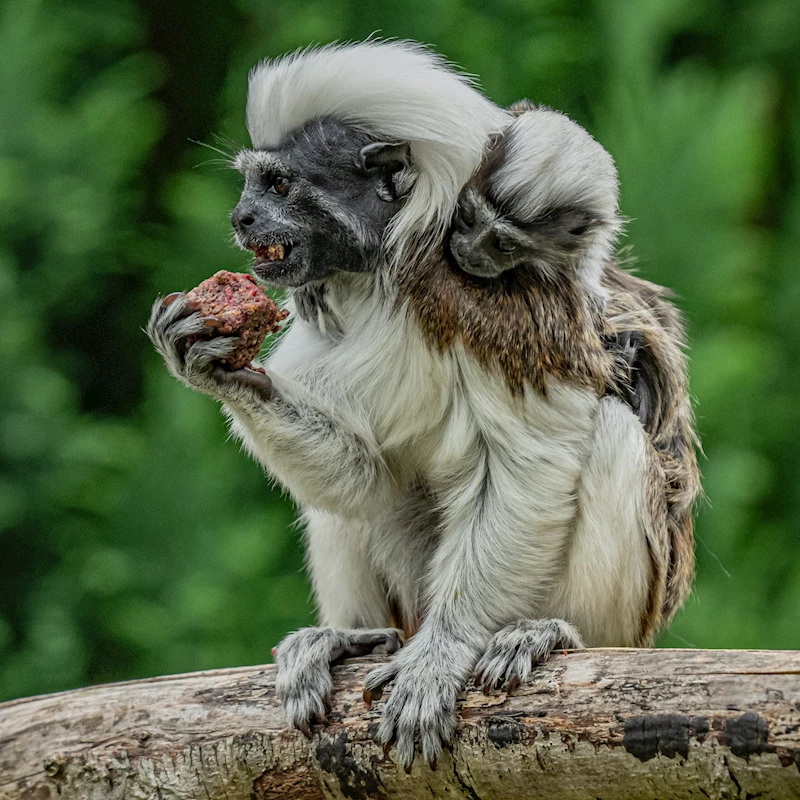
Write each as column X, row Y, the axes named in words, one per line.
column 492, row 513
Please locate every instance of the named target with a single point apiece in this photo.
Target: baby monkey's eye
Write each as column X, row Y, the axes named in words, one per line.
column 504, row 244
column 465, row 218
column 280, row 185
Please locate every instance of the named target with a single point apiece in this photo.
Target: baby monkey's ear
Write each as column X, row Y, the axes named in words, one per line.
column 384, row 156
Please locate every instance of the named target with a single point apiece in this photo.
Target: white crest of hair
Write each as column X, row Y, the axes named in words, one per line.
column 396, row 91
column 552, row 161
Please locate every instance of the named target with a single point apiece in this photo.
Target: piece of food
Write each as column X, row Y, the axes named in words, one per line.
column 270, row 252
column 234, row 304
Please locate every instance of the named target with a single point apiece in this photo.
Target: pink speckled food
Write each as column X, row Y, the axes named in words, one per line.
column 244, row 310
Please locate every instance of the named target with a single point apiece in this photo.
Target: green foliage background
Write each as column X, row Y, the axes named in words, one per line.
column 135, row 539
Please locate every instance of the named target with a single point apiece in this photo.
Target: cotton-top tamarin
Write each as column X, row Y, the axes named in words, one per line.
column 463, row 472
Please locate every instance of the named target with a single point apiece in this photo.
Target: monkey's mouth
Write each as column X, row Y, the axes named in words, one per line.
column 271, row 253
column 275, row 262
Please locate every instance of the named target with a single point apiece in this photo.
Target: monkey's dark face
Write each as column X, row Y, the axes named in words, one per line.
column 487, row 240
column 317, row 204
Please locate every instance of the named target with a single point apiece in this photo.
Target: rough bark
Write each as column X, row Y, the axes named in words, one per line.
column 613, row 724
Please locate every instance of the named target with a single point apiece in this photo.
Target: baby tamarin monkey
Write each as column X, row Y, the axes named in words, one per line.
column 537, row 222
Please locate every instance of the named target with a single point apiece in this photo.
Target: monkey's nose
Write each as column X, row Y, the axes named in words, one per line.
column 242, row 217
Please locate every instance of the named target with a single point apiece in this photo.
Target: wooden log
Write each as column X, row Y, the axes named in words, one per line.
column 612, row 724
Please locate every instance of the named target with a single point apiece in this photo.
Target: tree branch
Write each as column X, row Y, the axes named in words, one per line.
column 615, row 724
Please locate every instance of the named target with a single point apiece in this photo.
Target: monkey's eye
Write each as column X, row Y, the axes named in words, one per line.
column 280, row 185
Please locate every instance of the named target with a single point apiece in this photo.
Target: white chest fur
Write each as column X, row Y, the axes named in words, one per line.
column 460, row 450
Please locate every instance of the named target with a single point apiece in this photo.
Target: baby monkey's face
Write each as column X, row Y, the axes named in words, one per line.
column 543, row 201
column 482, row 242
column 487, row 240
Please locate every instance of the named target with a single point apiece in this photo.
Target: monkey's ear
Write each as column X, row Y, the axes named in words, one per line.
column 384, row 156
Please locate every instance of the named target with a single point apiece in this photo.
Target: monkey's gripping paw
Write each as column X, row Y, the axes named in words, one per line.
column 304, row 676
column 421, row 704
column 516, row 649
column 172, row 321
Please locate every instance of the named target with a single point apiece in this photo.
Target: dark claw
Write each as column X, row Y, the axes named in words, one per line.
column 407, row 769
column 478, row 680
column 212, row 322
column 370, row 695
column 170, row 299
column 387, row 748
column 304, row 728
column 193, row 305
column 432, row 762
column 512, row 685
column 487, row 687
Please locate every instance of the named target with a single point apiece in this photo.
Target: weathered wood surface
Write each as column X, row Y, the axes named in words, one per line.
column 612, row 724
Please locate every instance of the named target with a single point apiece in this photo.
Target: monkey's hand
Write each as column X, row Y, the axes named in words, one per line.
column 516, row 649
column 304, row 666
column 428, row 674
column 172, row 321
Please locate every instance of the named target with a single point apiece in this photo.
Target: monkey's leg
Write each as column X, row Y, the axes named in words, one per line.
column 514, row 650
column 494, row 563
column 325, row 459
column 304, row 657
column 613, row 586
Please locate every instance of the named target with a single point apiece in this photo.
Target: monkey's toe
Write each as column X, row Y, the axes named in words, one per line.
column 515, row 650
column 304, row 659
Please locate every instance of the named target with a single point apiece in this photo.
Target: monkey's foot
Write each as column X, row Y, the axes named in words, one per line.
column 304, row 675
column 516, row 649
column 427, row 679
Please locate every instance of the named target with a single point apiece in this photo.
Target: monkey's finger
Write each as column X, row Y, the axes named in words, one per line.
column 364, row 644
column 188, row 307
column 380, row 676
column 170, row 299
column 431, row 746
column 261, row 382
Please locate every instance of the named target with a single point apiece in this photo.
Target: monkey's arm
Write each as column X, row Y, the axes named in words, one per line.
column 352, row 606
column 326, row 459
